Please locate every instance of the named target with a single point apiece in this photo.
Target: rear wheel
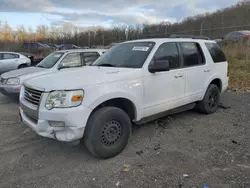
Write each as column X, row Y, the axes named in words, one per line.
column 107, row 132
column 22, row 66
column 211, row 100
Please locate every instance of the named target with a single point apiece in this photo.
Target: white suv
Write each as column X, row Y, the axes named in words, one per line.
column 135, row 81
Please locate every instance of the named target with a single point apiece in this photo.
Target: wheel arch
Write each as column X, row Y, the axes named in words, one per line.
column 214, row 80
column 22, row 65
column 123, row 101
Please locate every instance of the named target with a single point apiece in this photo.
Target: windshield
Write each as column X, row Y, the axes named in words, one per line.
column 130, row 55
column 50, row 60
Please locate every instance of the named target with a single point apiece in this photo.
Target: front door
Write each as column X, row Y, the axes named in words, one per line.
column 164, row 90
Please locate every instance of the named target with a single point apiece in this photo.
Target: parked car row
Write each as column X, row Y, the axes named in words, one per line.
column 133, row 82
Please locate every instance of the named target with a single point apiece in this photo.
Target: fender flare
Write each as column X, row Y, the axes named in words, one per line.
column 115, row 95
column 209, row 82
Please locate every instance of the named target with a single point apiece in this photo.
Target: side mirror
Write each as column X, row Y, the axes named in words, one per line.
column 222, row 38
column 62, row 66
column 159, row 66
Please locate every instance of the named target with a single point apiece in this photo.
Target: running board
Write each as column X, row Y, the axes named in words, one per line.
column 166, row 113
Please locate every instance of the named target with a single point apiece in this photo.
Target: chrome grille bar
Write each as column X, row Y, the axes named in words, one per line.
column 32, row 95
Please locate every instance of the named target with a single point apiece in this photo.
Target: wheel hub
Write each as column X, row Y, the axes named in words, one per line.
column 213, row 99
column 111, row 133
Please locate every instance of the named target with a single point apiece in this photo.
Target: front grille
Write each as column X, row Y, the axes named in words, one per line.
column 32, row 95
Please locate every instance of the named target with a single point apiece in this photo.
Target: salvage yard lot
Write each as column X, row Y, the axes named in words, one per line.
column 214, row 150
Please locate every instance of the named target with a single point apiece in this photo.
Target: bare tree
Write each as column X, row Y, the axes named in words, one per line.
column 21, row 32
column 7, row 32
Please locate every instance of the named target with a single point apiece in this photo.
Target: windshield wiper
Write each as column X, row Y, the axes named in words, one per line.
column 40, row 66
column 106, row 65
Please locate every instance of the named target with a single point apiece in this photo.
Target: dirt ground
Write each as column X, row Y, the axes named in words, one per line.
column 212, row 150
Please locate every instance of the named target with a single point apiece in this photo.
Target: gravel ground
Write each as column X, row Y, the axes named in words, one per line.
column 212, row 150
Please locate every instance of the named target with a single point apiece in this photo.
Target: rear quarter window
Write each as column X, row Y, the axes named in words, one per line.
column 10, row 56
column 216, row 53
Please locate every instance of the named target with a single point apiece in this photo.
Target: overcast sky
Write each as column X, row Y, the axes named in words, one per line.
column 105, row 13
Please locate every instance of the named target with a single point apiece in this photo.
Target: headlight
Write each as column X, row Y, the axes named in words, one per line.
column 64, row 99
column 13, row 81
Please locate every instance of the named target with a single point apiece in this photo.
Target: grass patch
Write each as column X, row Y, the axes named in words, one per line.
column 238, row 56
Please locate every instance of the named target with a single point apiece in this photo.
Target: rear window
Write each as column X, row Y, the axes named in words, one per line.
column 216, row 52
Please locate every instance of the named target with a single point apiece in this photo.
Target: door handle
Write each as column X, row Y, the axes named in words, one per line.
column 178, row 75
column 207, row 70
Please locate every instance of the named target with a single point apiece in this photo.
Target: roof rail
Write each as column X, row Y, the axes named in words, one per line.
column 188, row 36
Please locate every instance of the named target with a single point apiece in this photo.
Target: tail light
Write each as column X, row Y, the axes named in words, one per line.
column 246, row 36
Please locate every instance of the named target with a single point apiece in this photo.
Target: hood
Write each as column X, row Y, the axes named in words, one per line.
column 20, row 72
column 82, row 77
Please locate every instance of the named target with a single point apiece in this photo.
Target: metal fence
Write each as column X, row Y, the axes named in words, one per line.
column 161, row 32
column 212, row 33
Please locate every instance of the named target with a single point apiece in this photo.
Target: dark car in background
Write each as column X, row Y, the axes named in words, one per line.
column 235, row 37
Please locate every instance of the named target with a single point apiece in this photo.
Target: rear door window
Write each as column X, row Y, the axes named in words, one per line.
column 192, row 54
column 216, row 52
column 10, row 56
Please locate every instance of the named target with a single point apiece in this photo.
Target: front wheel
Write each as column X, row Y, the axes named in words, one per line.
column 107, row 132
column 211, row 100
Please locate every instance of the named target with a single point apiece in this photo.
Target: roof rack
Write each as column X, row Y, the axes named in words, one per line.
column 188, row 36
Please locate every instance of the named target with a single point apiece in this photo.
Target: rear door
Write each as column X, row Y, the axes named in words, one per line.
column 196, row 69
column 9, row 61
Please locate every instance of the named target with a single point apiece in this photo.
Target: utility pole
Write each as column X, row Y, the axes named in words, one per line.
column 89, row 39
column 201, row 30
column 126, row 33
column 103, row 39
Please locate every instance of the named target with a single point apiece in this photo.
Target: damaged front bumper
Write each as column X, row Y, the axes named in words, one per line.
column 65, row 124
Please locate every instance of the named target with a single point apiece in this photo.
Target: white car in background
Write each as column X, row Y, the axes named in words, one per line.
column 11, row 82
column 11, row 61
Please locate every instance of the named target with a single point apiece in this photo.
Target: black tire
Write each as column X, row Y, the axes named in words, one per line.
column 211, row 100
column 107, row 133
column 22, row 66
